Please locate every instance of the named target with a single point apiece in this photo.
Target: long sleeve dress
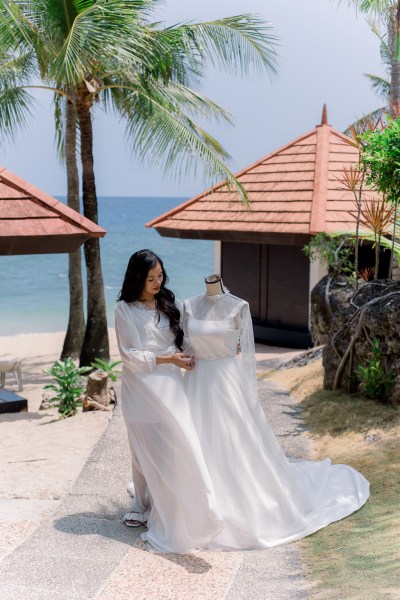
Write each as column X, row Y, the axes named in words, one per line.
column 169, row 473
column 265, row 499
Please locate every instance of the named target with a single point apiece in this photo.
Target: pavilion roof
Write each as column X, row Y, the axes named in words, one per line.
column 33, row 222
column 294, row 190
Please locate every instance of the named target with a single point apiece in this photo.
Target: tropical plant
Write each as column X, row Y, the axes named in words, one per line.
column 375, row 381
column 386, row 12
column 383, row 29
column 377, row 215
column 366, row 274
column 334, row 251
column 68, row 386
column 108, row 366
column 108, row 52
column 353, row 178
column 380, row 159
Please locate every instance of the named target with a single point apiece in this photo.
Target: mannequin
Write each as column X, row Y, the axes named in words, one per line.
column 214, row 285
column 264, row 498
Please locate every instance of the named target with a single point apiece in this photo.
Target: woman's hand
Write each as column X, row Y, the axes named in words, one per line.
column 183, row 361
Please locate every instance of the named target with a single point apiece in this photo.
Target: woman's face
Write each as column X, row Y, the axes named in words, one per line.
column 153, row 281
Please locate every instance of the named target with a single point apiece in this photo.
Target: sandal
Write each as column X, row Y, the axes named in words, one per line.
column 135, row 519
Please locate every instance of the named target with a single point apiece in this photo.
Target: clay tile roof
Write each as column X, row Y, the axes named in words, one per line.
column 33, row 222
column 292, row 190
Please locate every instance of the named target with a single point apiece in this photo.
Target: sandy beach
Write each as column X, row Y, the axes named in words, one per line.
column 40, row 454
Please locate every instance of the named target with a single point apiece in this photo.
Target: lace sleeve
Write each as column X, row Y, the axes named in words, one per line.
column 247, row 352
column 129, row 344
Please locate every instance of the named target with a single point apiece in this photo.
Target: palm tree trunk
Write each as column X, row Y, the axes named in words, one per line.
column 95, row 343
column 76, row 322
column 395, row 74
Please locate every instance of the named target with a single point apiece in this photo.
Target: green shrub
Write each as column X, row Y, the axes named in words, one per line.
column 375, row 382
column 107, row 366
column 68, row 385
column 335, row 252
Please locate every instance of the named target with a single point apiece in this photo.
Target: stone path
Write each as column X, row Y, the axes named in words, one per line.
column 84, row 551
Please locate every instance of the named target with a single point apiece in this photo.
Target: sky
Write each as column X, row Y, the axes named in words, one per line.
column 324, row 50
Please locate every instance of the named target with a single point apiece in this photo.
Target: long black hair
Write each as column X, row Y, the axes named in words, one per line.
column 138, row 268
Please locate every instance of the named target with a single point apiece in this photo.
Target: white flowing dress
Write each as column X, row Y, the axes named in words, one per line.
column 264, row 498
column 170, row 477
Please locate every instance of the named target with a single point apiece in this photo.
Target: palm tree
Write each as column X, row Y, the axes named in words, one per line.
column 76, row 320
column 15, row 107
column 108, row 52
column 387, row 12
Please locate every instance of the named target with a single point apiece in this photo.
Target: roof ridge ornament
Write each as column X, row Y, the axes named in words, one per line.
column 324, row 118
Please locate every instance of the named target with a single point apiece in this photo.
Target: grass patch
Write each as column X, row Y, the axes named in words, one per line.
column 357, row 558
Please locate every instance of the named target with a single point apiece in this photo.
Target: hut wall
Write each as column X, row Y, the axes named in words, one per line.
column 275, row 280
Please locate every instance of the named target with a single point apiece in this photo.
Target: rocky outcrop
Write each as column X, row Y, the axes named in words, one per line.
column 329, row 297
column 371, row 312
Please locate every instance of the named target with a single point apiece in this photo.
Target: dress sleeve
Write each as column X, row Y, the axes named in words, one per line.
column 247, row 352
column 129, row 344
column 187, row 348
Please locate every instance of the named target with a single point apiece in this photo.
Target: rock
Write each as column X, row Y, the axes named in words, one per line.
column 372, row 438
column 303, row 359
column 371, row 312
column 329, row 297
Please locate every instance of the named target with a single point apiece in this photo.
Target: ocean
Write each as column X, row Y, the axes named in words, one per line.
column 34, row 288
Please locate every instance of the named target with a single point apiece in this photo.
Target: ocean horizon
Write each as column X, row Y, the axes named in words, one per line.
column 34, row 290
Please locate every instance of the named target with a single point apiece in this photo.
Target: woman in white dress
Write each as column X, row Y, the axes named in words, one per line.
column 264, row 498
column 172, row 488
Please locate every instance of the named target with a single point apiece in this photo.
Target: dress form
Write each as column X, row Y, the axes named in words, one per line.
column 264, row 498
column 214, row 285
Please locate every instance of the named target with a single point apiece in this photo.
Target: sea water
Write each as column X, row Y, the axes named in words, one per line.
column 34, row 288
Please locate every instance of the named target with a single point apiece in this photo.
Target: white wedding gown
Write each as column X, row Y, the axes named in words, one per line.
column 263, row 498
column 171, row 480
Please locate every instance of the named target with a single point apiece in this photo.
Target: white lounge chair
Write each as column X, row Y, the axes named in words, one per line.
column 10, row 366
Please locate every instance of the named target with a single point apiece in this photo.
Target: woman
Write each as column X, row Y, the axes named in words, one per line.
column 264, row 498
column 173, row 490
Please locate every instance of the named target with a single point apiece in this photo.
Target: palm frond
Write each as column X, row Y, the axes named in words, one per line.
column 372, row 6
column 59, row 125
column 379, row 84
column 15, row 109
column 160, row 132
column 15, row 101
column 191, row 101
column 362, row 124
column 105, row 31
column 241, row 43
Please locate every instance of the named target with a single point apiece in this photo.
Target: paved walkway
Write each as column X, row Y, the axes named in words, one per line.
column 84, row 551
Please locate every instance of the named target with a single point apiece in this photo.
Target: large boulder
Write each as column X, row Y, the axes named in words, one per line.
column 330, row 297
column 372, row 311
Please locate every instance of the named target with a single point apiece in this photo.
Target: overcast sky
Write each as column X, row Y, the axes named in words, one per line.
column 323, row 54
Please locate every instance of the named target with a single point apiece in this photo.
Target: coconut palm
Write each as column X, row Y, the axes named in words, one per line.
column 15, row 102
column 386, row 13
column 110, row 53
column 67, row 145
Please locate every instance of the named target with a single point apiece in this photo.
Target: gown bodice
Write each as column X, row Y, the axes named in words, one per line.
column 211, row 340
